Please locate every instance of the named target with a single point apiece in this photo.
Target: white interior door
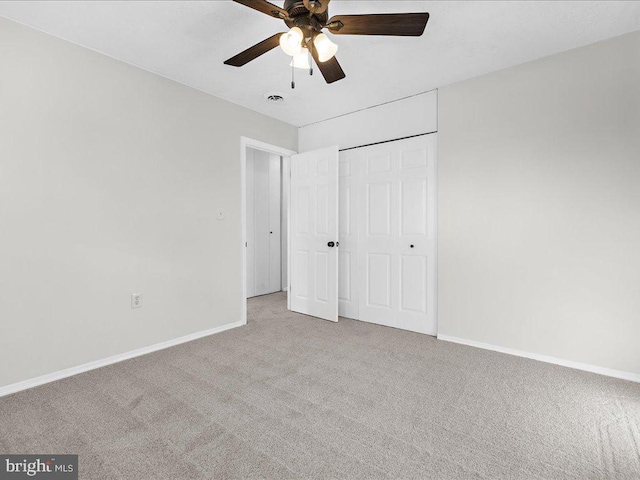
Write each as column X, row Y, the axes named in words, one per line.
column 397, row 234
column 314, row 233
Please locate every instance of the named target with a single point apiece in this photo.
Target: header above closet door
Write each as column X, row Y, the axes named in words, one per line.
column 403, row 118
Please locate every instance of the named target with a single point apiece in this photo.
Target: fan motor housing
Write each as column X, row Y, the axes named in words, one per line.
column 299, row 15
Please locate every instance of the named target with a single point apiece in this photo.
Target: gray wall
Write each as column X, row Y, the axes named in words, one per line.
column 110, row 177
column 539, row 206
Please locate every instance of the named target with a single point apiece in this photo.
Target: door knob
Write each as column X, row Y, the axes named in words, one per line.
column 331, row 244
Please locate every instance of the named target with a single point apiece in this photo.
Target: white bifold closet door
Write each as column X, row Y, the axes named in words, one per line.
column 348, row 188
column 388, row 234
column 264, row 251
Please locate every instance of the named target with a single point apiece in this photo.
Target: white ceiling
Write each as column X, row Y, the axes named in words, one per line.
column 188, row 41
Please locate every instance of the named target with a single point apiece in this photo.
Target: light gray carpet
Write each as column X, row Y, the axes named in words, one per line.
column 290, row 396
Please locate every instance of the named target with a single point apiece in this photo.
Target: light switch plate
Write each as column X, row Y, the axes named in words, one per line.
column 136, row 300
column 220, row 214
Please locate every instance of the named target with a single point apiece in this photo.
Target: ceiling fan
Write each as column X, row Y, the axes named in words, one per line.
column 306, row 20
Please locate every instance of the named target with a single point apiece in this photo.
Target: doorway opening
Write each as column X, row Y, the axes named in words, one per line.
column 264, row 188
column 266, row 232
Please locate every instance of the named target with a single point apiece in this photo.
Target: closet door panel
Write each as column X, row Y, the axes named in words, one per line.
column 250, row 219
column 378, row 235
column 275, row 228
column 262, row 223
column 348, row 188
column 264, row 229
column 397, row 238
column 416, row 235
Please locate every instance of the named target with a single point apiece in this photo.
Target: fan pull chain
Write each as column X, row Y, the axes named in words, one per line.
column 293, row 81
column 310, row 63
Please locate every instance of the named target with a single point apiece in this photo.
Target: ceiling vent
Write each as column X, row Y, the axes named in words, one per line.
column 274, row 97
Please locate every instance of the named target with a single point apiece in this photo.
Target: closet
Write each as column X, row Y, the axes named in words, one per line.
column 387, row 233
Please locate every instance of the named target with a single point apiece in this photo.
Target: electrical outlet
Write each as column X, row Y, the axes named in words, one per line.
column 136, row 300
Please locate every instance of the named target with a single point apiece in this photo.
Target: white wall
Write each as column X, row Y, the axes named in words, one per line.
column 110, row 178
column 539, row 206
column 410, row 116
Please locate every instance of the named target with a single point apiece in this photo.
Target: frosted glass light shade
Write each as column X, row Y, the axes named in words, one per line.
column 326, row 48
column 301, row 60
column 291, row 42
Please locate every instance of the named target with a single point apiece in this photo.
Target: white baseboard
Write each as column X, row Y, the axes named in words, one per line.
column 634, row 377
column 68, row 372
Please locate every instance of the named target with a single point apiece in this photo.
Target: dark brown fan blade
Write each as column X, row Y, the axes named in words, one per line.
column 254, row 52
column 265, row 7
column 331, row 69
column 400, row 24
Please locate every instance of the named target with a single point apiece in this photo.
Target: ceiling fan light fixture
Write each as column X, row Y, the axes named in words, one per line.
column 301, row 60
column 291, row 42
column 326, row 48
column 307, row 19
